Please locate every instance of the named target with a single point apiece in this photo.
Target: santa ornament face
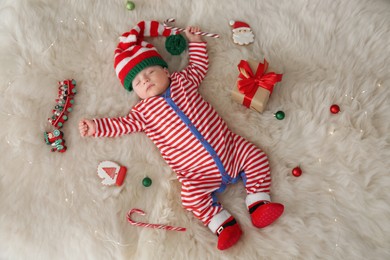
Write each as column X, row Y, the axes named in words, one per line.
column 242, row 33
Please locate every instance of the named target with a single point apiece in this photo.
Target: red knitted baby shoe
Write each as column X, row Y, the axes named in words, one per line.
column 228, row 234
column 264, row 213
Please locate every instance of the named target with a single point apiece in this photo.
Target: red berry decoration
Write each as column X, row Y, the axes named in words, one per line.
column 297, row 172
column 334, row 109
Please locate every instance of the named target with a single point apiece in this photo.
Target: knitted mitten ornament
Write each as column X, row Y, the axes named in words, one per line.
column 264, row 213
column 228, row 234
column 111, row 173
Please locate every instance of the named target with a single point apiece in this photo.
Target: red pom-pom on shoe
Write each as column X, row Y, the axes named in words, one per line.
column 229, row 236
column 266, row 214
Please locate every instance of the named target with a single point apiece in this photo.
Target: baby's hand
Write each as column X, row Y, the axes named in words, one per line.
column 87, row 127
column 190, row 30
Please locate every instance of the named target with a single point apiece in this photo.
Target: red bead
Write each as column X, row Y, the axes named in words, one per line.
column 334, row 109
column 297, row 172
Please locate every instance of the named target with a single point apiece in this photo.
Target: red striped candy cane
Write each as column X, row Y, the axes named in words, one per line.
column 143, row 224
column 171, row 20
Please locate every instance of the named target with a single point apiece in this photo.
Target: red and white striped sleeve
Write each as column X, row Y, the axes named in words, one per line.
column 198, row 63
column 113, row 127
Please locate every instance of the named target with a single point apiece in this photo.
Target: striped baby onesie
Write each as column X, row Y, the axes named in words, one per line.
column 195, row 141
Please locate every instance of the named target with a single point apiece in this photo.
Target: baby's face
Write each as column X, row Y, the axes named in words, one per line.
column 151, row 81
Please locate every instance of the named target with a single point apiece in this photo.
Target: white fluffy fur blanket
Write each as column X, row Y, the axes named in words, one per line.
column 53, row 206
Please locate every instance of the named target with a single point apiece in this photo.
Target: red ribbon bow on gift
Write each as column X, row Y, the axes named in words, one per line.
column 249, row 83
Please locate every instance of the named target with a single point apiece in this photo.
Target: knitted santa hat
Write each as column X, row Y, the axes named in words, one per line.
column 239, row 25
column 133, row 54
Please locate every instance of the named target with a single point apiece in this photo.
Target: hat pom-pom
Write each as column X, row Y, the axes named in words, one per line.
column 175, row 44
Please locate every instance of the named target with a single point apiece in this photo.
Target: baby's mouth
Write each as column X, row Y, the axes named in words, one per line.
column 149, row 87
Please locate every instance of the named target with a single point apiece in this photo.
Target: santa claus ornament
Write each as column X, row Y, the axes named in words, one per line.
column 242, row 33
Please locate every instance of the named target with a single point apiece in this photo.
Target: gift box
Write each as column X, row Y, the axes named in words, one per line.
column 254, row 84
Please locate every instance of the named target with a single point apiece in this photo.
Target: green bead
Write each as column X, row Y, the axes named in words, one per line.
column 65, row 117
column 69, row 109
column 279, row 115
column 130, row 5
column 72, row 101
column 60, row 124
column 146, row 182
column 73, row 82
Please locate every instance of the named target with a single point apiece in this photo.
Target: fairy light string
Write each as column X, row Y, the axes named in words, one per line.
column 69, row 195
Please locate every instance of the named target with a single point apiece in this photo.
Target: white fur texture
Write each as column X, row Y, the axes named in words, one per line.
column 53, row 206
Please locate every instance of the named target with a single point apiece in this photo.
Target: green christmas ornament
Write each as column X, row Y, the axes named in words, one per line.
column 279, row 115
column 146, row 182
column 130, row 5
column 175, row 44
